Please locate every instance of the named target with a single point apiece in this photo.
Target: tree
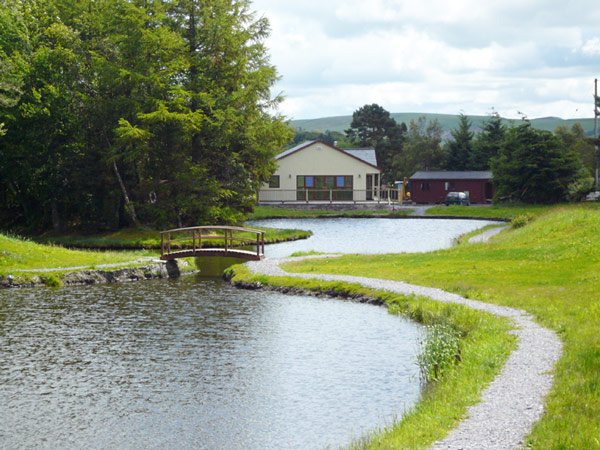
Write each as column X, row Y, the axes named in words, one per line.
column 373, row 126
column 574, row 139
column 487, row 143
column 119, row 111
column 422, row 150
column 41, row 144
column 532, row 167
column 460, row 148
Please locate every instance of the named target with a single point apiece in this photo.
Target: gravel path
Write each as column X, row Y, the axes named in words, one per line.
column 514, row 400
column 487, row 234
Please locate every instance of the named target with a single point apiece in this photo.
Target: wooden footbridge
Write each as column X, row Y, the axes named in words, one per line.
column 212, row 241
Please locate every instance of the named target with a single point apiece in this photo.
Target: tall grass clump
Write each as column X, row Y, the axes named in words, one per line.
column 440, row 349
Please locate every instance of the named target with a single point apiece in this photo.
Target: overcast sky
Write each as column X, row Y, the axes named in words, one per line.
column 538, row 57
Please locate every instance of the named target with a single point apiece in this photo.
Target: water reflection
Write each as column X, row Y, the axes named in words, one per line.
column 196, row 363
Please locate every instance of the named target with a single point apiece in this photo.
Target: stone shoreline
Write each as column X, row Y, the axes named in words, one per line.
column 170, row 269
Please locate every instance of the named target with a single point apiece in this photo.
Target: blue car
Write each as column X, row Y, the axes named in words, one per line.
column 457, row 198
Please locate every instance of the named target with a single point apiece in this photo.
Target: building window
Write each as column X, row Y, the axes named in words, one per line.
column 324, row 187
column 274, row 181
column 425, row 187
column 449, row 185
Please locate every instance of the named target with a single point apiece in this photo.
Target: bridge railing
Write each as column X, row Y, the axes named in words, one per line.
column 197, row 238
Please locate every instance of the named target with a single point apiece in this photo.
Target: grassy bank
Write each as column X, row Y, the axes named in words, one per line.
column 145, row 238
column 499, row 211
column 17, row 254
column 484, row 345
column 549, row 267
column 271, row 212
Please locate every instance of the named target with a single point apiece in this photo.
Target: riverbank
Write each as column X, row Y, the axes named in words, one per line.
column 148, row 239
column 84, row 276
column 485, row 344
column 512, row 402
column 548, row 266
column 24, row 263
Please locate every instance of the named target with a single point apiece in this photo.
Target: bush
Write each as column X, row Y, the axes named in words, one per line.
column 521, row 220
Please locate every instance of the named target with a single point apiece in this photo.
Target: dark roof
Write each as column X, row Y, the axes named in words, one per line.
column 366, row 155
column 443, row 175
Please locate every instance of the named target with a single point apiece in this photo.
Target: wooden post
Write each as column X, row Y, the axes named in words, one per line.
column 226, row 233
column 169, row 242
column 262, row 236
column 162, row 245
column 194, row 240
column 596, row 114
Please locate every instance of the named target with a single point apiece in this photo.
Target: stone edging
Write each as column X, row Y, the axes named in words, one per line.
column 170, row 269
column 513, row 401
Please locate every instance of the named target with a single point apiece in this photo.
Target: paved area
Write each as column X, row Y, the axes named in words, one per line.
column 514, row 401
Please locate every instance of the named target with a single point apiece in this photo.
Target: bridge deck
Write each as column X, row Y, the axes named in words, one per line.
column 232, row 253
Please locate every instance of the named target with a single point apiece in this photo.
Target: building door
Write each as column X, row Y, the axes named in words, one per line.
column 489, row 191
column 369, row 187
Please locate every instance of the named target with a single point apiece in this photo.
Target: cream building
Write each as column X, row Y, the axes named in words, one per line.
column 315, row 171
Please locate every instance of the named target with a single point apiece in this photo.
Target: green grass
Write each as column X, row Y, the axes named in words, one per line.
column 272, row 212
column 550, row 268
column 484, row 346
column 144, row 238
column 501, row 211
column 21, row 254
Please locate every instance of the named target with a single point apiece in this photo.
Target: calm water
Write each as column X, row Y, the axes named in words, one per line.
column 195, row 363
column 370, row 235
column 192, row 363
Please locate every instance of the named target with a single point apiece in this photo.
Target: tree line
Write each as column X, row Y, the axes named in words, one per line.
column 119, row 112
column 528, row 165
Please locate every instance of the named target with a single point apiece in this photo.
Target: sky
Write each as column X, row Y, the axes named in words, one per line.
column 533, row 58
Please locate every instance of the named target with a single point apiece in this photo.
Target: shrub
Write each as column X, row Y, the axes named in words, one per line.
column 521, row 220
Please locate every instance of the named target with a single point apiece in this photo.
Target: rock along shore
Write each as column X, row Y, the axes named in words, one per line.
column 159, row 269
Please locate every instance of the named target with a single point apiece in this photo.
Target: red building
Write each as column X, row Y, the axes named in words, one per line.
column 432, row 187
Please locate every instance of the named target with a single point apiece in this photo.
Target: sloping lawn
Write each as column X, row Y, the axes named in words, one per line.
column 549, row 267
column 21, row 254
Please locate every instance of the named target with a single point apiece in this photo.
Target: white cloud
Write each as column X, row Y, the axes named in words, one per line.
column 434, row 55
column 591, row 47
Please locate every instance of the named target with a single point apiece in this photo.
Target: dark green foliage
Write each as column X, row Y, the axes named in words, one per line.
column 460, row 148
column 532, row 167
column 422, row 149
column 121, row 111
column 487, row 143
column 372, row 126
column 329, row 137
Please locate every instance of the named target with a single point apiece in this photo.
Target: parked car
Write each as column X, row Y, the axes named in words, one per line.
column 457, row 198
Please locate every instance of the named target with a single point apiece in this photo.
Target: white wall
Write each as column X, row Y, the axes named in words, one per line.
column 320, row 159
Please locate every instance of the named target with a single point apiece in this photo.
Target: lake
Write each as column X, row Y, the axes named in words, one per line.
column 196, row 363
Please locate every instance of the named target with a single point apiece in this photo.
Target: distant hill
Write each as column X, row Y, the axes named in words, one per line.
column 449, row 122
